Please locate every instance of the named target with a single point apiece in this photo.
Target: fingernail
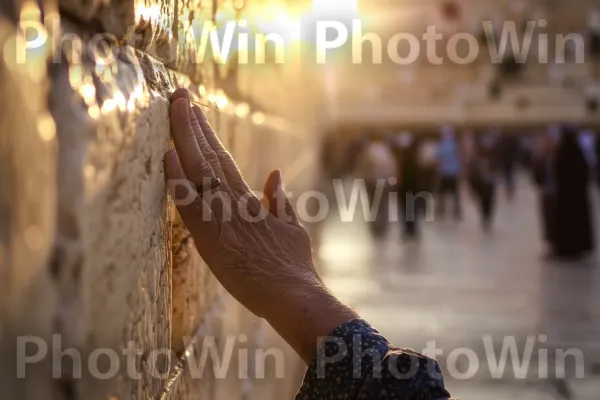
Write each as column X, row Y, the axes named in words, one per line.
column 180, row 93
column 182, row 106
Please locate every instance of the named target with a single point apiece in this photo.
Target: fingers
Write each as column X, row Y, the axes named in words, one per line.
column 196, row 214
column 194, row 163
column 270, row 192
column 180, row 93
column 228, row 165
column 277, row 203
column 205, row 148
column 210, row 135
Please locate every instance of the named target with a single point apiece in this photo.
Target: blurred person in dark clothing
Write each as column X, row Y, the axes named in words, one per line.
column 482, row 180
column 574, row 234
column 508, row 155
column 593, row 32
column 597, row 157
column 449, row 170
column 544, row 176
column 428, row 165
column 526, row 144
column 406, row 150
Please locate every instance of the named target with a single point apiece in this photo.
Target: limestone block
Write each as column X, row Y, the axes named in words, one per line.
column 169, row 30
column 191, row 17
column 113, row 250
column 152, row 19
column 194, row 379
column 27, row 211
column 194, row 288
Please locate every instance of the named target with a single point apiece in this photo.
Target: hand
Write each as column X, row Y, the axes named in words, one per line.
column 257, row 250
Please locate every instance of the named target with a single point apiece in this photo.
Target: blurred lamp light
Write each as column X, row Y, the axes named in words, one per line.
column 242, row 110
column 258, row 118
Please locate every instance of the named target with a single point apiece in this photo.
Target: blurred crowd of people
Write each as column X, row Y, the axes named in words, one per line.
column 423, row 169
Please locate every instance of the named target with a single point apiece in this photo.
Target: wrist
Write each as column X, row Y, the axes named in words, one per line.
column 306, row 314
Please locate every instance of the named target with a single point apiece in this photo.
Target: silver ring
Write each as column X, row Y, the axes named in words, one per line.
column 214, row 183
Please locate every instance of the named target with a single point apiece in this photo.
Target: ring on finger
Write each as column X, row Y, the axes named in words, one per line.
column 212, row 185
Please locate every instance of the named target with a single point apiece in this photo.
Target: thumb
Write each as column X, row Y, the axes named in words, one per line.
column 276, row 201
column 272, row 184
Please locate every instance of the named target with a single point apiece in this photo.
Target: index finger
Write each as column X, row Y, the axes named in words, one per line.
column 194, row 163
column 230, row 168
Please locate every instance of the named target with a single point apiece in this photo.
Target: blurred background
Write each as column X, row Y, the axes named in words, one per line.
column 483, row 254
column 444, row 155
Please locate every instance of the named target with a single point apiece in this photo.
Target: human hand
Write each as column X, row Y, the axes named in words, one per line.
column 257, row 250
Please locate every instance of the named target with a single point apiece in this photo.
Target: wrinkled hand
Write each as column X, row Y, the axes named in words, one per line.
column 257, row 250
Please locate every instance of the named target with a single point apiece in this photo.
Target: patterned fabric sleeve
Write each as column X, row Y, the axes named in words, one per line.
column 356, row 362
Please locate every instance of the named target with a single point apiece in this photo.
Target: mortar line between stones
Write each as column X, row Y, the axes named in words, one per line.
column 182, row 361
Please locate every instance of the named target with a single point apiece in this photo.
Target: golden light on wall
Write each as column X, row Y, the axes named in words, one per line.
column 144, row 13
column 242, row 110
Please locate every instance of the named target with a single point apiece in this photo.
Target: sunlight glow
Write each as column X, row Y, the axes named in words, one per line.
column 147, row 14
column 88, row 93
column 46, row 127
column 108, row 106
column 258, row 118
column 242, row 110
column 221, row 100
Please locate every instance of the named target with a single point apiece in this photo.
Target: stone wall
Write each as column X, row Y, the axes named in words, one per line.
column 91, row 249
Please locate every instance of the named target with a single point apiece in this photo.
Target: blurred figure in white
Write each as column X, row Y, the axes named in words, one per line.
column 449, row 169
column 377, row 166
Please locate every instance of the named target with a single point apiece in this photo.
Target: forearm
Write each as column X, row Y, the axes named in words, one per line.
column 307, row 314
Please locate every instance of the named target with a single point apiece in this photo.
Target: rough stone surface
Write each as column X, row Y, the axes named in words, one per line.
column 165, row 29
column 194, row 288
column 152, row 19
column 90, row 246
column 113, row 246
column 190, row 17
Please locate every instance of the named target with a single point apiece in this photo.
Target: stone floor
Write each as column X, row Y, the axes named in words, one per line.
column 458, row 286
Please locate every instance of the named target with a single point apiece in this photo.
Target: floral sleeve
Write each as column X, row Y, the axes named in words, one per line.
column 356, row 362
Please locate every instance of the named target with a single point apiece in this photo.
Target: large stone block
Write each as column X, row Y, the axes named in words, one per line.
column 194, row 288
column 113, row 250
column 169, row 30
column 152, row 19
column 97, row 253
